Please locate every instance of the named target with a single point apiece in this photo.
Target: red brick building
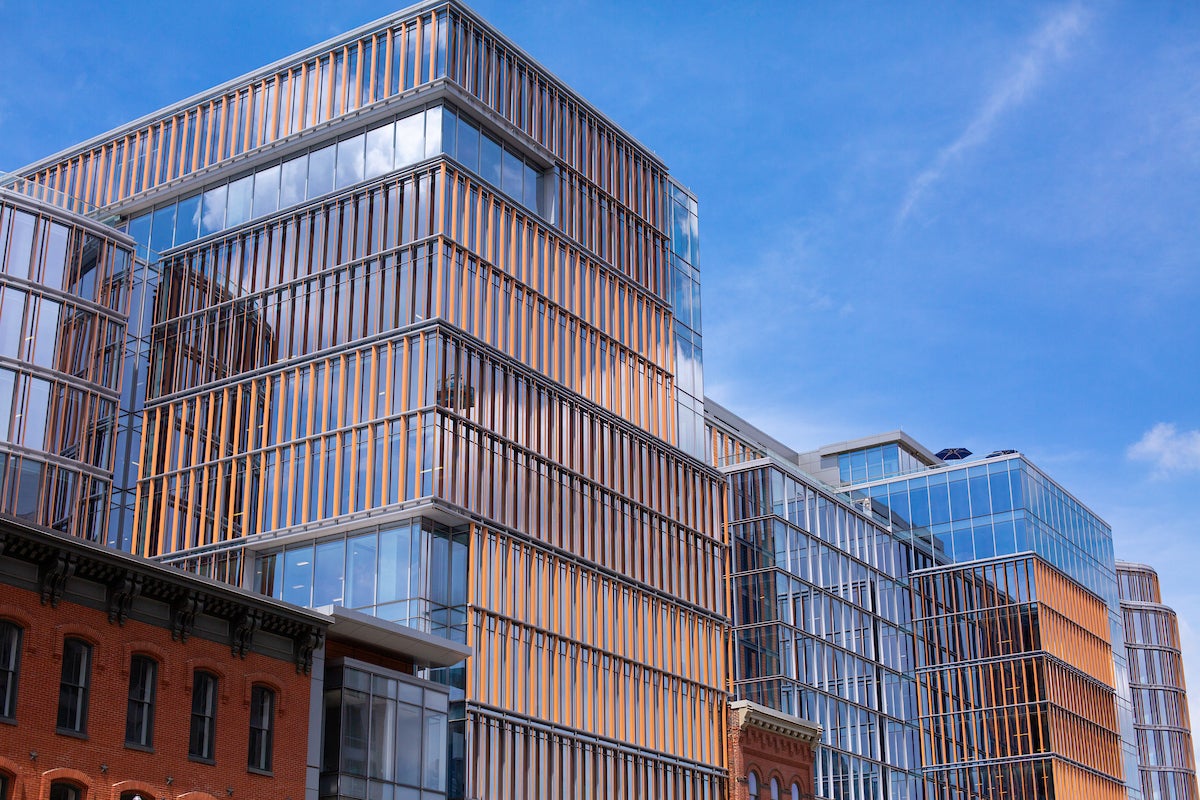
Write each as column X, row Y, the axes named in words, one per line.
column 123, row 678
column 770, row 753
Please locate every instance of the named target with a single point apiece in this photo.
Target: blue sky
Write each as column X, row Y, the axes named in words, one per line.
column 977, row 222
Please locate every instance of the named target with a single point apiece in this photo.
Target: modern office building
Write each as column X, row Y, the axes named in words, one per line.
column 821, row 610
column 981, row 512
column 415, row 330
column 1160, row 709
column 63, row 313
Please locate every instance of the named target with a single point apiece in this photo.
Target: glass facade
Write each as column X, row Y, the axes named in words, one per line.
column 1004, row 505
column 64, row 293
column 1164, row 733
column 409, row 276
column 873, row 463
column 822, row 628
column 1016, row 681
column 386, row 736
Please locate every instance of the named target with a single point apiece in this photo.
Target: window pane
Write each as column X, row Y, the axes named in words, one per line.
column 266, row 191
column 531, row 187
column 381, row 150
column 320, row 171
column 513, row 172
column 468, row 144
column 241, row 193
column 212, row 216
column 433, row 132
column 330, row 569
column 491, row 157
column 297, row 575
column 10, row 664
column 361, row 574
column 201, row 734
column 410, row 140
column 187, row 219
column 293, row 178
column 350, row 161
column 73, row 686
column 139, row 720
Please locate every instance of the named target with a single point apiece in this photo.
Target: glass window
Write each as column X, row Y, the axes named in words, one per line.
column 61, row 790
column 241, row 196
column 266, row 191
column 774, row 789
column 262, row 726
column 468, row 144
column 434, row 763
column 410, row 140
column 292, row 181
column 491, row 155
column 320, row 171
column 12, row 312
column 381, row 150
column 212, row 215
column 202, row 734
column 10, row 667
column 513, row 175
column 55, row 256
column 330, row 573
column 20, row 244
column 162, row 234
column 531, row 188
column 433, row 131
column 350, row 161
column 5, row 783
column 360, row 584
column 139, row 716
column 46, row 334
column 297, row 575
column 752, row 785
column 187, row 219
column 73, row 686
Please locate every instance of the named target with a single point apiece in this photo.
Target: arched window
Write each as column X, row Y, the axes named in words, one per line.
column 262, row 727
column 6, row 786
column 752, row 780
column 202, row 735
column 62, row 790
column 74, row 687
column 10, row 668
column 795, row 791
column 774, row 789
column 134, row 794
column 139, row 717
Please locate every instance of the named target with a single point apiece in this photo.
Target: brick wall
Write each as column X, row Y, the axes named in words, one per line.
column 101, row 762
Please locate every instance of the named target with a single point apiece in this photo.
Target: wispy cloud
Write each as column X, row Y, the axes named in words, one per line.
column 1049, row 44
column 1169, row 449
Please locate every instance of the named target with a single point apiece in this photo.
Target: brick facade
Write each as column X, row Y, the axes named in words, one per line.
column 32, row 751
column 766, row 745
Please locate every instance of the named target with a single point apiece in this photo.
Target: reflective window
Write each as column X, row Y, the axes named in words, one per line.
column 139, row 717
column 385, row 734
column 350, row 161
column 10, row 667
column 266, row 191
column 321, row 170
column 262, row 727
column 293, row 181
column 202, row 732
column 74, row 685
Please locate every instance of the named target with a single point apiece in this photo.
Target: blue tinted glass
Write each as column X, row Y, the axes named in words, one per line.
column 320, row 171
column 843, row 466
column 139, row 229
column 960, row 504
column 449, row 136
column 468, row 145
column 919, row 507
column 998, row 487
column 212, row 213
column 981, row 504
column 491, row 156
column 329, row 574
column 360, row 576
column 939, row 504
column 395, row 546
column 266, row 191
column 513, row 175
column 293, row 177
column 531, row 187
column 187, row 220
column 297, row 575
column 350, row 160
column 162, row 235
column 241, row 194
column 1006, row 540
column 381, row 150
column 899, row 502
column 985, row 546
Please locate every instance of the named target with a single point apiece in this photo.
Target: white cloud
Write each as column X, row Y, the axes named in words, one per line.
column 1168, row 449
column 1049, row 44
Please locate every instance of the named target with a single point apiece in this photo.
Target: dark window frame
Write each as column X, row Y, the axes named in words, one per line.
column 202, row 730
column 67, row 790
column 141, row 704
column 11, row 671
column 75, row 686
column 261, row 746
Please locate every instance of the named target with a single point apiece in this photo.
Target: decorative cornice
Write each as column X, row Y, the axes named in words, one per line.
column 746, row 714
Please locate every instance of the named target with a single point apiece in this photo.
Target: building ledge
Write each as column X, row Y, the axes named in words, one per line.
column 423, row 649
column 747, row 714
